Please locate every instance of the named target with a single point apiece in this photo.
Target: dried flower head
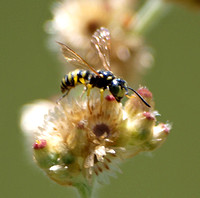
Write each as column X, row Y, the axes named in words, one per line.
column 76, row 144
column 33, row 115
column 75, row 21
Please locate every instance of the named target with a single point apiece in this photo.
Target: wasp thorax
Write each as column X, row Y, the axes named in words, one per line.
column 117, row 88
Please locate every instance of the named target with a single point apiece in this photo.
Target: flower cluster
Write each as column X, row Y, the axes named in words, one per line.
column 78, row 139
column 76, row 143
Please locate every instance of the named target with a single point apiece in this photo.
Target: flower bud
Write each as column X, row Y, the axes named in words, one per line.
column 160, row 134
column 140, row 128
column 42, row 156
column 134, row 105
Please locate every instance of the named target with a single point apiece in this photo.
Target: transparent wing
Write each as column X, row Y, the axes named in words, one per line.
column 73, row 58
column 101, row 41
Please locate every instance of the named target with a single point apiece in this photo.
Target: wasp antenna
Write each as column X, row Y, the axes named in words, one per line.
column 139, row 96
column 58, row 42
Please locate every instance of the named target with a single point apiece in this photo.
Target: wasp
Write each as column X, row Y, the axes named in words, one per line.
column 88, row 76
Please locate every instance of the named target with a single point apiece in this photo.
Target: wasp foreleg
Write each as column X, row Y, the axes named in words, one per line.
column 101, row 92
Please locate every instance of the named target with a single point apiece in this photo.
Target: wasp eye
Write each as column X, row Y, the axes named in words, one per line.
column 117, row 89
column 114, row 90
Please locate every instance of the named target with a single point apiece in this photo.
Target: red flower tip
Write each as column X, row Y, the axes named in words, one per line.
column 110, row 98
column 144, row 92
column 149, row 116
column 40, row 144
column 166, row 128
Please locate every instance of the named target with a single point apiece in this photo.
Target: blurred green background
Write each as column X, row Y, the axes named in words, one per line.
column 30, row 71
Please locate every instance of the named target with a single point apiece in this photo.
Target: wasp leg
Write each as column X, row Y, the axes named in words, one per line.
column 101, row 92
column 85, row 89
column 59, row 99
column 89, row 87
column 129, row 97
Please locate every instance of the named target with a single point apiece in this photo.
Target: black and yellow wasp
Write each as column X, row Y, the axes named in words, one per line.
column 102, row 79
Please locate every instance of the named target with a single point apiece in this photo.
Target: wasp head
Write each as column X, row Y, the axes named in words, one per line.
column 118, row 88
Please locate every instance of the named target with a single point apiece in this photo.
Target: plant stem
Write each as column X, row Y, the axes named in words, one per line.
column 84, row 189
column 150, row 12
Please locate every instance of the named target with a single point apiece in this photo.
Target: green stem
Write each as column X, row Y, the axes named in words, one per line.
column 84, row 189
column 148, row 15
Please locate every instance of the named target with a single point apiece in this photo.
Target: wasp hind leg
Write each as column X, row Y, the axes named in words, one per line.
column 88, row 88
column 59, row 99
column 85, row 89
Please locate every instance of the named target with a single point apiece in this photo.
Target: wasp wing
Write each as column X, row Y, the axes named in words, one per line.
column 101, row 41
column 73, row 58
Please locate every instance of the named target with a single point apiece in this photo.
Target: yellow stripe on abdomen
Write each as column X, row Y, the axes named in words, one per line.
column 75, row 76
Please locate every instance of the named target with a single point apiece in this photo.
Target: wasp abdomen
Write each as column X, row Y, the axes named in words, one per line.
column 67, row 82
column 74, row 78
